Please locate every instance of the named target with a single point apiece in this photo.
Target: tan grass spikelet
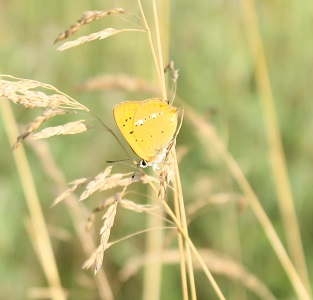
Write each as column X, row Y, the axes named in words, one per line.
column 105, row 232
column 22, row 91
column 94, row 36
column 74, row 185
column 31, row 127
column 211, row 200
column 175, row 72
column 86, row 18
column 66, row 129
column 91, row 219
column 97, row 258
column 128, row 204
column 119, row 82
column 96, row 184
column 167, row 172
column 104, row 182
column 92, row 259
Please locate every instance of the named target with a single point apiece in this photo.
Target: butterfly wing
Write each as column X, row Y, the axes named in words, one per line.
column 155, row 123
column 124, row 118
column 148, row 126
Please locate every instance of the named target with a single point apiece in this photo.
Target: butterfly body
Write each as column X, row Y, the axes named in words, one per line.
column 148, row 126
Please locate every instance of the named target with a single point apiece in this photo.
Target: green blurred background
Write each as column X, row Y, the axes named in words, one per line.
column 207, row 42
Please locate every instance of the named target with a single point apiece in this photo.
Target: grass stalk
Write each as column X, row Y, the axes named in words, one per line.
column 276, row 152
column 183, row 219
column 157, row 54
column 159, row 49
column 43, row 243
column 195, row 251
column 178, row 191
column 154, row 56
column 180, row 245
column 207, row 133
column 76, row 211
column 154, row 241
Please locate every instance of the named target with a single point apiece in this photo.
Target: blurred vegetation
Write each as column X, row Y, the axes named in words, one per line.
column 208, row 44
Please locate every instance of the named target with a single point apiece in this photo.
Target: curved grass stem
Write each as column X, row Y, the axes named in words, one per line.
column 39, row 228
column 276, row 152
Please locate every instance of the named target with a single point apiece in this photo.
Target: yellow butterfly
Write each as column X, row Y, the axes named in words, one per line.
column 148, row 126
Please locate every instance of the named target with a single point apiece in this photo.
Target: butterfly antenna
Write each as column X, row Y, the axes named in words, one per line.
column 114, row 135
column 115, row 161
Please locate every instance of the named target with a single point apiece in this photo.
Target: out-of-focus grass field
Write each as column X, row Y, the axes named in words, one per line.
column 208, row 44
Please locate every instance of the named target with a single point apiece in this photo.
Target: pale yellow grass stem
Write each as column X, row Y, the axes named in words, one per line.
column 207, row 133
column 44, row 247
column 192, row 247
column 182, row 218
column 76, row 211
column 159, row 71
column 180, row 244
column 195, row 252
column 182, row 214
column 276, row 152
column 159, row 65
column 154, row 242
column 159, row 49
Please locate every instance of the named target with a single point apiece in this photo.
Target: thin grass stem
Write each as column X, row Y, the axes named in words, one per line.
column 180, row 245
column 151, row 45
column 182, row 217
column 159, row 49
column 276, row 152
column 195, row 252
column 76, row 212
column 41, row 238
column 207, row 133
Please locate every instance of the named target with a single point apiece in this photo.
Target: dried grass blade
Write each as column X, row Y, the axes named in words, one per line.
column 94, row 36
column 124, row 180
column 128, row 204
column 75, row 184
column 21, row 91
column 96, row 184
column 31, row 127
column 66, row 129
column 119, row 82
column 97, row 257
column 86, row 18
column 91, row 219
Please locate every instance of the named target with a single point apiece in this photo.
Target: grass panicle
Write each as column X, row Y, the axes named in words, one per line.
column 31, row 127
column 66, row 129
column 121, row 82
column 103, row 34
column 87, row 18
column 22, row 91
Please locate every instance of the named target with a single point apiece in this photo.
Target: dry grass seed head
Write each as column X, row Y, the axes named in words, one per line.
column 167, row 172
column 21, row 91
column 120, row 82
column 86, row 18
column 97, row 258
column 130, row 205
column 124, row 180
column 75, row 184
column 31, row 127
column 91, row 219
column 66, row 129
column 96, row 184
column 175, row 72
column 94, row 36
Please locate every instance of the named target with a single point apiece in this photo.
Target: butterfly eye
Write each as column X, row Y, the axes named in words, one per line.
column 143, row 163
